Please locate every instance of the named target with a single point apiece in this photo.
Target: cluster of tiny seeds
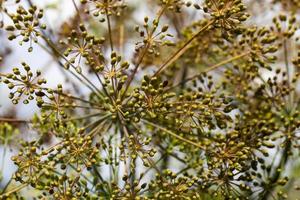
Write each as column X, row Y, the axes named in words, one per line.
column 54, row 102
column 170, row 186
column 227, row 14
column 104, row 7
column 130, row 189
column 153, row 38
column 220, row 133
column 49, row 125
column 77, row 151
column 82, row 45
column 149, row 100
column 241, row 75
column 31, row 166
column 207, row 108
column 114, row 70
column 260, row 44
column 65, row 187
column 206, row 44
column 175, row 5
column 202, row 106
column 23, row 84
column 26, row 24
column 136, row 148
column 3, row 9
column 278, row 86
column 284, row 26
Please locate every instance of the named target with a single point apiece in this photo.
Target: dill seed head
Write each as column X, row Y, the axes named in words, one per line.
column 196, row 100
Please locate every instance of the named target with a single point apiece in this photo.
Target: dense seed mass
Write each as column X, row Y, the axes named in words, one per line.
column 155, row 107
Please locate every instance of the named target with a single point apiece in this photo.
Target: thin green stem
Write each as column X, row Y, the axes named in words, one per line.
column 109, row 31
column 131, row 77
column 3, row 119
column 16, row 189
column 174, row 134
column 91, row 86
column 288, row 73
column 211, row 68
column 83, row 117
column 6, row 186
column 181, row 50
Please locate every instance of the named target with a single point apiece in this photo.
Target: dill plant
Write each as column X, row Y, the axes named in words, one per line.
column 207, row 109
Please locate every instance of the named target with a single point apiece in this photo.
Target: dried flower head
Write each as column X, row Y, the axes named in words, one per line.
column 217, row 116
column 26, row 24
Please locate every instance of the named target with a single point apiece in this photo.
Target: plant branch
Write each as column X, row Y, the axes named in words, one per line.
column 131, row 77
column 181, row 50
column 109, row 31
column 174, row 134
column 211, row 68
column 13, row 120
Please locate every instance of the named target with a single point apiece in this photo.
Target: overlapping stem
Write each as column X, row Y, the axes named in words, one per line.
column 174, row 134
column 211, row 68
column 181, row 50
column 144, row 52
column 11, row 120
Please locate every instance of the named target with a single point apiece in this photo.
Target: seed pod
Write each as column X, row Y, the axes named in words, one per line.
column 78, row 70
column 164, row 28
column 197, row 6
column 268, row 144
